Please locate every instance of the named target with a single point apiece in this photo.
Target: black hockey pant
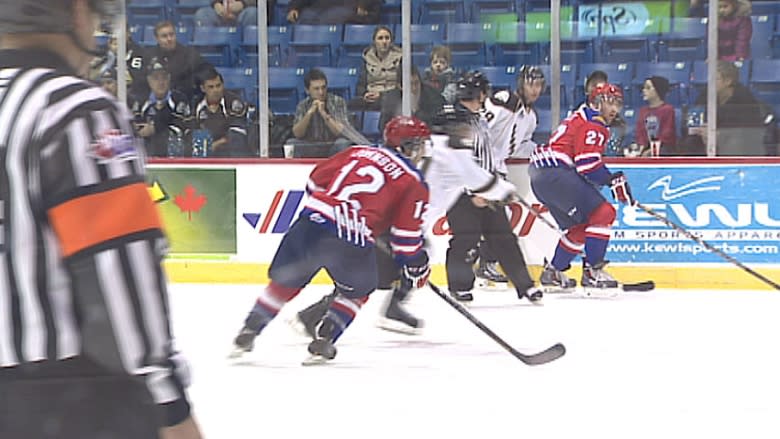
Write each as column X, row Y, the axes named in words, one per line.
column 468, row 223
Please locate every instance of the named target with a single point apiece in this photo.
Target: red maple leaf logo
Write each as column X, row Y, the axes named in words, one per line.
column 190, row 201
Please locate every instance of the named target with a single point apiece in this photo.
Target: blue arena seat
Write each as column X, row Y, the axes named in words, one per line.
column 370, row 125
column 765, row 7
column 356, row 38
column 391, row 12
column 442, row 11
column 687, row 40
column 500, row 77
column 482, row 11
column 242, row 80
column 764, row 80
column 314, row 45
column 184, row 11
column 278, row 39
column 762, row 38
column 543, row 128
column 141, row 12
column 467, row 42
column 568, row 78
column 283, row 86
column 217, row 45
column 341, row 80
column 623, row 48
column 511, row 49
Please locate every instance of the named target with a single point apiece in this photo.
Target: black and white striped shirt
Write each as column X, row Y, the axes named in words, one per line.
column 81, row 241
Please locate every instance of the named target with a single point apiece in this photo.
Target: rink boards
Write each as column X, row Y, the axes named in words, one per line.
column 225, row 220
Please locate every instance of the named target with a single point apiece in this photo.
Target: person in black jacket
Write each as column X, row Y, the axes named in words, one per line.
column 329, row 12
column 426, row 101
column 184, row 63
column 162, row 117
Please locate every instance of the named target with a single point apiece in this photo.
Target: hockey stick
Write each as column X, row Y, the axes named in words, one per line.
column 706, row 245
column 550, row 354
column 646, row 285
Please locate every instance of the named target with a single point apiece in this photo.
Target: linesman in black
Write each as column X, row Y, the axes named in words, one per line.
column 472, row 216
column 86, row 349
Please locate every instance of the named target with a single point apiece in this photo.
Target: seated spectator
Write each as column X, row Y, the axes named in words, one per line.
column 342, row 12
column 228, row 13
column 440, row 75
column 596, row 77
column 378, row 73
column 134, row 56
column 223, row 115
column 108, row 81
column 656, row 120
column 737, row 108
column 426, row 102
column 319, row 119
column 184, row 63
column 163, row 116
column 735, row 29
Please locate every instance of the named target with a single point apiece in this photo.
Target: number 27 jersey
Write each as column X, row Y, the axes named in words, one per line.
column 579, row 141
column 381, row 189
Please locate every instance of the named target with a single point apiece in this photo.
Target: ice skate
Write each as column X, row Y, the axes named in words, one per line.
column 462, row 296
column 598, row 283
column 396, row 319
column 321, row 349
column 305, row 321
column 489, row 276
column 533, row 294
column 245, row 340
column 554, row 281
column 243, row 343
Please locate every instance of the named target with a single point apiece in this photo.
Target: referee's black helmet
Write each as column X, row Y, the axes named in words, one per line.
column 471, row 84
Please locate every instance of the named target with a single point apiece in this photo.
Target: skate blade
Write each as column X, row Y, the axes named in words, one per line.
column 557, row 290
column 486, row 284
column 396, row 326
column 236, row 353
column 297, row 325
column 599, row 293
column 315, row 360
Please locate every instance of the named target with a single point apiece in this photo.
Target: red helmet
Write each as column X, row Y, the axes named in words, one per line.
column 404, row 132
column 606, row 91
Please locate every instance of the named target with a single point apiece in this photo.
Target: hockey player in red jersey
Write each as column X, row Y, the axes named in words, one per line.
column 566, row 176
column 354, row 197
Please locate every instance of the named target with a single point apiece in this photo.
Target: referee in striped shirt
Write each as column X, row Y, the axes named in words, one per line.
column 86, row 348
column 472, row 216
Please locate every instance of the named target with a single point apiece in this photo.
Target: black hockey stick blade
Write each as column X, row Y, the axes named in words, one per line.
column 550, row 354
column 646, row 285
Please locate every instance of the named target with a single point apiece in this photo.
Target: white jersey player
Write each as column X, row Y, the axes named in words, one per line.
column 512, row 118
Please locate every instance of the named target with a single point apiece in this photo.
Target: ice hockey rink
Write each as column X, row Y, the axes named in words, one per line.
column 663, row 364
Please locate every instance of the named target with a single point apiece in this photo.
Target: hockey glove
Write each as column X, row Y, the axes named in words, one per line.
column 415, row 274
column 621, row 191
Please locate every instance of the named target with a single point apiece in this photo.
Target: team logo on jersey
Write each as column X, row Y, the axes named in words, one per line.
column 502, row 96
column 183, row 108
column 113, row 145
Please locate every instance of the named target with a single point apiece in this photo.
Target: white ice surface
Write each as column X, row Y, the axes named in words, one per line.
column 665, row 364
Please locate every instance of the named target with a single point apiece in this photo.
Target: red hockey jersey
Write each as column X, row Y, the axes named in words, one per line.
column 579, row 142
column 363, row 191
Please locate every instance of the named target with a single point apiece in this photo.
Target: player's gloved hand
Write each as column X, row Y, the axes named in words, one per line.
column 415, row 273
column 621, row 191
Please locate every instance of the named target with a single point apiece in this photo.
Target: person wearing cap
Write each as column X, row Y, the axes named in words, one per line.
column 107, row 80
column 161, row 117
column 656, row 120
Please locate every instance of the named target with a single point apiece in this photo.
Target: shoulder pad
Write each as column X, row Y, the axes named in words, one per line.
column 506, row 99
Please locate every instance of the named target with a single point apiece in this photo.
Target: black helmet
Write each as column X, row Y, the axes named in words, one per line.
column 530, row 73
column 50, row 16
column 469, row 86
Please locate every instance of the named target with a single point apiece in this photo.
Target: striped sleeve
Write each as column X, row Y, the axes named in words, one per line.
column 98, row 230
